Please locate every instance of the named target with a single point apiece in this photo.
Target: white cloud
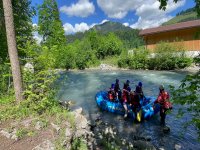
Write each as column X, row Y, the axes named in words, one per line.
column 103, row 21
column 69, row 29
column 83, row 8
column 82, row 27
column 36, row 36
column 126, row 24
column 148, row 12
column 117, row 8
column 151, row 16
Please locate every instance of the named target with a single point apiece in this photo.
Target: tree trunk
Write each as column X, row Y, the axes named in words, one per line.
column 12, row 49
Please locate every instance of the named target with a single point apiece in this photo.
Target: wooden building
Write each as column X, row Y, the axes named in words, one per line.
column 186, row 33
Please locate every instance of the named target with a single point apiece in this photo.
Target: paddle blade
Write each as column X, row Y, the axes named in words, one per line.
column 139, row 115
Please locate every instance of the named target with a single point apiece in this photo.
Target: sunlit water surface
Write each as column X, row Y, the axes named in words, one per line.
column 82, row 86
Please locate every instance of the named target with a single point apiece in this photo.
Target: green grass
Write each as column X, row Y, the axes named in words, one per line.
column 182, row 18
column 111, row 60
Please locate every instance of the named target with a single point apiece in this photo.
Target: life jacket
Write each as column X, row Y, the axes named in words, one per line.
column 110, row 96
column 124, row 96
column 163, row 100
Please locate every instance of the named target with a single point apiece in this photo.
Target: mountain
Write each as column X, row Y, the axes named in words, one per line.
column 110, row 26
column 130, row 37
column 187, row 15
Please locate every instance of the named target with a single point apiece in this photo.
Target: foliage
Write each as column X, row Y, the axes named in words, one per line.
column 79, row 144
column 137, row 60
column 50, row 25
column 5, row 78
column 163, row 5
column 22, row 132
column 23, row 12
column 39, row 94
column 129, row 37
column 168, row 57
column 109, row 45
column 187, row 94
column 182, row 18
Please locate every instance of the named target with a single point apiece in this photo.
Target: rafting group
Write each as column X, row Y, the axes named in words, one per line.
column 135, row 99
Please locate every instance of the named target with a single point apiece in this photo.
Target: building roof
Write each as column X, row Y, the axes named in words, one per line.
column 177, row 26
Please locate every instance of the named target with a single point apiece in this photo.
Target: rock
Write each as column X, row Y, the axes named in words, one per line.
column 139, row 144
column 68, row 132
column 80, row 121
column 46, row 145
column 38, row 125
column 79, row 133
column 10, row 135
column 27, row 122
column 78, row 110
column 6, row 134
column 177, row 147
column 148, row 138
column 166, row 129
column 100, row 136
column 56, row 127
column 14, row 136
column 29, row 67
column 105, row 67
column 67, row 124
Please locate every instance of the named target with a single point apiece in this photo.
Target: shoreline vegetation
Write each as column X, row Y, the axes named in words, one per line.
column 106, row 67
column 40, row 121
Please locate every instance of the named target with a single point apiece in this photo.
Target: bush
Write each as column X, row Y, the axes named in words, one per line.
column 168, row 57
column 136, row 61
column 123, row 62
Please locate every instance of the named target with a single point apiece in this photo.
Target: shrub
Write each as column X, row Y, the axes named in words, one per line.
column 136, row 61
column 168, row 57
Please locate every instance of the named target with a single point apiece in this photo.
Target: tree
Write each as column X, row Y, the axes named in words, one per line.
column 12, row 49
column 163, row 4
column 50, row 25
column 23, row 13
column 51, row 29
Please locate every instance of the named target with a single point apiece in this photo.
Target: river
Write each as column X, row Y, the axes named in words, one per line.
column 81, row 87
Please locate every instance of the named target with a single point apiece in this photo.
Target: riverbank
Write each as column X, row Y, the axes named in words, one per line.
column 77, row 133
column 193, row 68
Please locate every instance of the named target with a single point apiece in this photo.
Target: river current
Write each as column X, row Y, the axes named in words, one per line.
column 81, row 87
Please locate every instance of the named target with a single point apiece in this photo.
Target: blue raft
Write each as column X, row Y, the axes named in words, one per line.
column 116, row 107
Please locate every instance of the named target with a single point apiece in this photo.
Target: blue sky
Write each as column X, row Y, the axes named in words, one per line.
column 81, row 15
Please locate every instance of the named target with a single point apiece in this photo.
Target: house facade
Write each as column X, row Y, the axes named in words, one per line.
column 185, row 33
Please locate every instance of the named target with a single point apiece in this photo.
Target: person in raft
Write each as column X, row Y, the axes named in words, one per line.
column 128, row 88
column 163, row 100
column 139, row 91
column 117, row 90
column 125, row 94
column 111, row 93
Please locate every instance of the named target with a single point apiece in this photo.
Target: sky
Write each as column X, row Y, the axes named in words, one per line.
column 81, row 15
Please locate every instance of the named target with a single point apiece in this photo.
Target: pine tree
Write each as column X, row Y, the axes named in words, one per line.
column 50, row 25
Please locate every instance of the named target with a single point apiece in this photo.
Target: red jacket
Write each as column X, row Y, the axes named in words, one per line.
column 163, row 100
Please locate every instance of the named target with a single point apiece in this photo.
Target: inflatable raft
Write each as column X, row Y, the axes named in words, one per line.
column 146, row 110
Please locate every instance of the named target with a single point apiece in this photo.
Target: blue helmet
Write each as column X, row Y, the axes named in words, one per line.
column 140, row 84
column 117, row 80
column 127, row 81
column 112, row 86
